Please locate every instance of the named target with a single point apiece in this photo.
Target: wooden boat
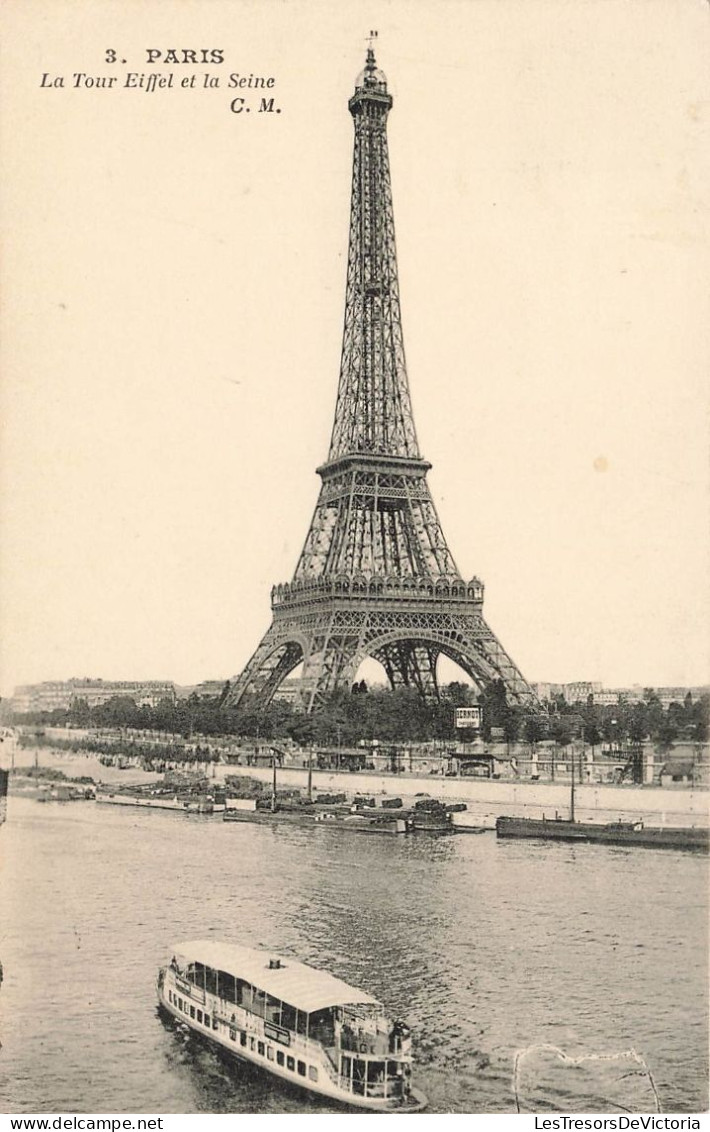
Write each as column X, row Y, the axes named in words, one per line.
column 302, row 1025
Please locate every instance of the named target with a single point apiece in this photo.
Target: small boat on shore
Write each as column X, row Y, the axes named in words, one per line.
column 298, row 1023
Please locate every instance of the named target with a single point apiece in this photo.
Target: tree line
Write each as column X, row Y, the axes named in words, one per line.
column 345, row 718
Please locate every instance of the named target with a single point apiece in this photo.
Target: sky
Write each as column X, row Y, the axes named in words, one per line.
column 174, row 274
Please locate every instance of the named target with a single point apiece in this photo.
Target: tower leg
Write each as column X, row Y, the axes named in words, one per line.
column 409, row 664
column 268, row 667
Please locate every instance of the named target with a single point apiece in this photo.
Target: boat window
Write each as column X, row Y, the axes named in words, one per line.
column 347, row 1066
column 288, row 1016
column 179, row 1002
column 259, row 1002
column 302, row 1069
column 199, row 1015
column 376, row 1079
column 321, row 1027
column 192, row 1012
column 260, row 1048
column 359, row 1071
column 226, row 986
column 273, row 1010
column 312, row 1072
column 199, row 975
column 301, row 1022
column 207, row 1019
column 290, row 1063
column 210, row 980
column 270, row 1053
column 279, row 1057
column 242, row 1039
column 215, row 1023
column 243, row 993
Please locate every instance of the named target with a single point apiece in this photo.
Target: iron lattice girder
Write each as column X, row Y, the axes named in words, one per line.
column 376, row 516
column 373, row 411
column 375, row 576
column 332, row 643
column 410, row 665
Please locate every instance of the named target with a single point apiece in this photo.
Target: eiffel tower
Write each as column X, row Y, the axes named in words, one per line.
column 375, row 577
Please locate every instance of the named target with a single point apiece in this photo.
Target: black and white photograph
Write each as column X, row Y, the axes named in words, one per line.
column 354, row 560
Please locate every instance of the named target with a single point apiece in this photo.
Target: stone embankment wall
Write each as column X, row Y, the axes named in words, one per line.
column 487, row 800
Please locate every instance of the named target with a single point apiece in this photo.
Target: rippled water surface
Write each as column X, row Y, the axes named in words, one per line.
column 485, row 947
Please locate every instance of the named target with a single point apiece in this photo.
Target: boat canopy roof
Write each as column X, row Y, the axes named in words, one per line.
column 286, row 979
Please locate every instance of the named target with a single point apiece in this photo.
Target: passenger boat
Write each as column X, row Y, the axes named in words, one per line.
column 300, row 1024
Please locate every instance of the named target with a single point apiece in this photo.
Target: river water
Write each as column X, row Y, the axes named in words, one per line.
column 484, row 947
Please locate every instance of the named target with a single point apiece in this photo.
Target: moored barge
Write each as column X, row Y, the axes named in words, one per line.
column 300, row 1024
column 189, row 804
column 610, row 833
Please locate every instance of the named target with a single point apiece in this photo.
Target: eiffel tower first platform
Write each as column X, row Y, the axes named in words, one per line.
column 375, row 577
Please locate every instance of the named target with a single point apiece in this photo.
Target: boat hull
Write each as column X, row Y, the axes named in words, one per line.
column 395, row 821
column 267, row 817
column 222, row 1040
column 610, row 834
column 156, row 802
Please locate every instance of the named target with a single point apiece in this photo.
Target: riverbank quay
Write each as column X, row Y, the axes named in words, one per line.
column 681, row 764
column 486, row 801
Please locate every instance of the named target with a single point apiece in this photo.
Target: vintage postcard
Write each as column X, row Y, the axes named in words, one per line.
column 354, row 563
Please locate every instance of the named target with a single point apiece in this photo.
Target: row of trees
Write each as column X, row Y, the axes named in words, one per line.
column 347, row 717
column 600, row 723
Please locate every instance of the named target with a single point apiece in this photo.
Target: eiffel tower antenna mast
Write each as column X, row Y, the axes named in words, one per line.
column 375, row 577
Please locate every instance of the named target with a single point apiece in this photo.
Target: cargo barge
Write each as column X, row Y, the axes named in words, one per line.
column 361, row 816
column 611, row 833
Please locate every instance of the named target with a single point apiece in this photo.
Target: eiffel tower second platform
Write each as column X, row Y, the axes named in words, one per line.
column 375, row 577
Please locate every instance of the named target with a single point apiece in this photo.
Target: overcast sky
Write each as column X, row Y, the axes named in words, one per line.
column 174, row 279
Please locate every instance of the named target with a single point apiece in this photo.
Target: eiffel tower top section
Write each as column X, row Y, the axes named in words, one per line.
column 373, row 414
